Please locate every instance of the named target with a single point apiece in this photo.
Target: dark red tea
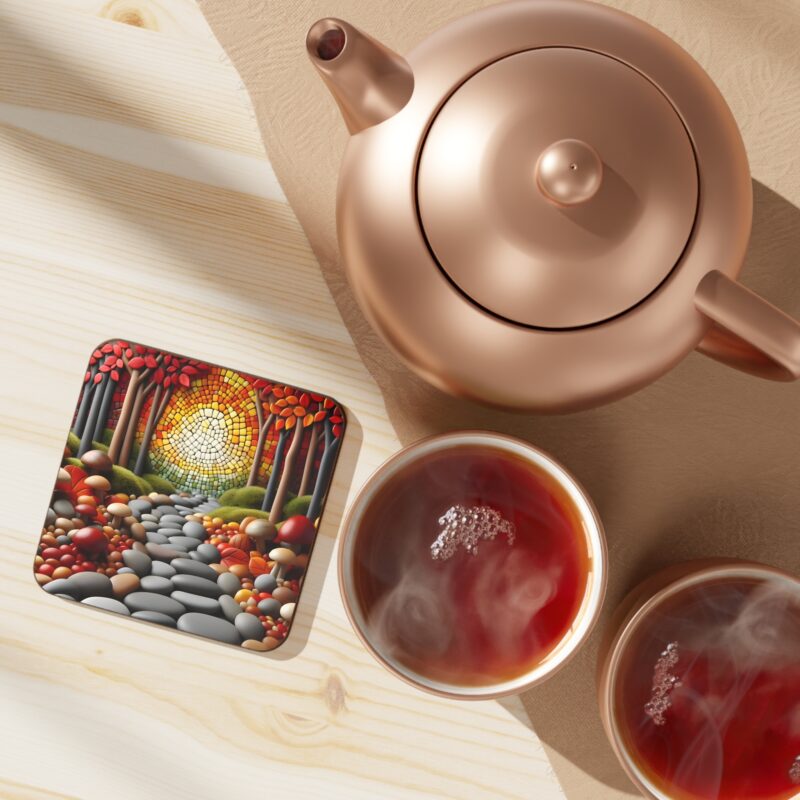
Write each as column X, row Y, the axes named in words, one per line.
column 708, row 692
column 470, row 565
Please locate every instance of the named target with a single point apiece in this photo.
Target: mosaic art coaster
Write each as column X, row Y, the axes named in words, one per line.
column 189, row 495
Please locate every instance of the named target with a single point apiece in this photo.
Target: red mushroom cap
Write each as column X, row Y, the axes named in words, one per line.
column 90, row 541
column 297, row 530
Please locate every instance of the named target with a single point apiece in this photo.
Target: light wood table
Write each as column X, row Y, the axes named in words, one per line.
column 136, row 202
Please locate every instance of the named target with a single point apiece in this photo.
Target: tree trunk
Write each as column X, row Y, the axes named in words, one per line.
column 121, row 428
column 86, row 401
column 130, row 434
column 288, row 470
column 324, row 474
column 272, row 484
column 147, row 434
column 311, row 457
column 108, row 396
column 262, row 438
column 86, row 439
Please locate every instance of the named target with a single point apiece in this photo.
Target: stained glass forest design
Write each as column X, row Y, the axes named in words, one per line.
column 189, row 495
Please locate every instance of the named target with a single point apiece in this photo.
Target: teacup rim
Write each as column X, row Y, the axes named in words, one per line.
column 643, row 599
column 586, row 617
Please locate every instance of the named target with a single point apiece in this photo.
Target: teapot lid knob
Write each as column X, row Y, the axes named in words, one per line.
column 569, row 172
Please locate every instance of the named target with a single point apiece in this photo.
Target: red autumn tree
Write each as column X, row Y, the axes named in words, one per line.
column 104, row 382
column 139, row 362
column 320, row 413
column 294, row 418
column 89, row 385
column 263, row 400
column 333, row 427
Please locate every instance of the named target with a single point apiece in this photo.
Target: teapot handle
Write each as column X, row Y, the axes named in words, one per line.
column 749, row 333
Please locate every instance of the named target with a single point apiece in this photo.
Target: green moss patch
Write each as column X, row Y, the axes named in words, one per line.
column 158, row 483
column 73, row 442
column 237, row 514
column 246, row 497
column 123, row 480
column 297, row 505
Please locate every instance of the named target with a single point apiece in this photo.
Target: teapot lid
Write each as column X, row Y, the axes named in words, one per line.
column 557, row 187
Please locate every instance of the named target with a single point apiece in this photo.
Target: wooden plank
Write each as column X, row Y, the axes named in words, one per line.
column 147, row 225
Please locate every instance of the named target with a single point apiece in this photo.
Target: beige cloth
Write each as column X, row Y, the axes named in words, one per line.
column 705, row 461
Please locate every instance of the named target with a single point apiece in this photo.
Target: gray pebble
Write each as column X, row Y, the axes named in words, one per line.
column 188, row 542
column 162, row 569
column 107, row 604
column 155, row 616
column 150, row 526
column 154, row 583
column 163, row 510
column 140, row 507
column 88, row 584
column 63, row 539
column 157, row 537
column 249, row 626
column 210, row 627
column 265, row 583
column 229, row 583
column 50, row 517
column 191, row 583
column 230, row 608
column 192, row 528
column 177, row 498
column 149, row 518
column 64, row 508
column 208, row 553
column 58, row 586
column 189, row 567
column 124, row 570
column 170, row 530
column 149, row 601
column 270, row 608
column 162, row 552
column 139, row 562
column 196, row 602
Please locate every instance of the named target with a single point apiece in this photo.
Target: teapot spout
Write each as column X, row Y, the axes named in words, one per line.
column 369, row 82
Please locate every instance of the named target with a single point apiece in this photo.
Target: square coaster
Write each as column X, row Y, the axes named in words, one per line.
column 189, row 495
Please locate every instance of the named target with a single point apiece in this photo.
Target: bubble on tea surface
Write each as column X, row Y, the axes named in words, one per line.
column 664, row 682
column 465, row 527
column 794, row 771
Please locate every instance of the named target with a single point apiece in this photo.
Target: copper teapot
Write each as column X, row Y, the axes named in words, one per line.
column 546, row 205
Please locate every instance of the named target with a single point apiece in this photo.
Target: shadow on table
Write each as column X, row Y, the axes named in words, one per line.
column 700, row 463
column 225, row 221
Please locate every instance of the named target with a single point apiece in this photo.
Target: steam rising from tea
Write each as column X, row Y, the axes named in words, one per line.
column 470, row 566
column 708, row 695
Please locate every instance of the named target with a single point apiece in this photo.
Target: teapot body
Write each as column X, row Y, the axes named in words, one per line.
column 456, row 342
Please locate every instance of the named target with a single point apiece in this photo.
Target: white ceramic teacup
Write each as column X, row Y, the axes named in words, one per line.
column 583, row 620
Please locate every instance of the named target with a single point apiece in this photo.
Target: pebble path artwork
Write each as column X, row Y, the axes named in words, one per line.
column 189, row 496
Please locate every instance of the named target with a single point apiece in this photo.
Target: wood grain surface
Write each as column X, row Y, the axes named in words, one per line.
column 704, row 462
column 136, row 201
